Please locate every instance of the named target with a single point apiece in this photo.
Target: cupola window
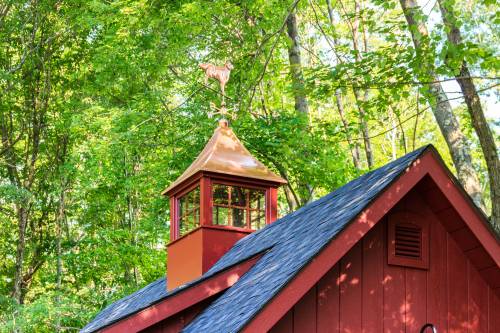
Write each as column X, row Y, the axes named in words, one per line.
column 189, row 211
column 238, row 206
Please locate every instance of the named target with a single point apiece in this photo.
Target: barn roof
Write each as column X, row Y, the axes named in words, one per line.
column 288, row 245
column 294, row 241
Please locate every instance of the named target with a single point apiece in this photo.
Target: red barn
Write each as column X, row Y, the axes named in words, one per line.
column 398, row 248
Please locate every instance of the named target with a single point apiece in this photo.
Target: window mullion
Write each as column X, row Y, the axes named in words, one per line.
column 247, row 197
column 229, row 210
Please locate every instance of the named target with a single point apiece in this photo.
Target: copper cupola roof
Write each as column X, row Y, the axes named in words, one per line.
column 225, row 154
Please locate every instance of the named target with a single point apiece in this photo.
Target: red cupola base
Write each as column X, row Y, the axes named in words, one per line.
column 194, row 253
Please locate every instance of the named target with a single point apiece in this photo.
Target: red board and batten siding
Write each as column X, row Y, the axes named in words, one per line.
column 362, row 293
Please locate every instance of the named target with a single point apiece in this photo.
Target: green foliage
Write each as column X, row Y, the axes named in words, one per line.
column 103, row 106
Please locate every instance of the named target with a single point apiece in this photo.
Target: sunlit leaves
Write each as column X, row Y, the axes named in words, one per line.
column 128, row 96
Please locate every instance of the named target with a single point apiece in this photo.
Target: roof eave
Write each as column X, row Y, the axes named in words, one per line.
column 180, row 299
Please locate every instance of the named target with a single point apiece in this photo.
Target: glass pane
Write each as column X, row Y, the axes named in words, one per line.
column 239, row 218
column 189, row 211
column 197, row 217
column 220, row 215
column 221, row 194
column 181, row 207
column 239, row 196
column 257, row 219
column 257, row 199
column 195, row 196
column 184, row 225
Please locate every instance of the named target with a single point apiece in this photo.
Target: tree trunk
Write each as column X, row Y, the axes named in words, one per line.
column 21, row 212
column 290, row 198
column 61, row 216
column 448, row 123
column 361, row 97
column 353, row 146
column 301, row 104
column 62, row 153
column 22, row 217
column 476, row 112
column 393, row 137
column 364, row 128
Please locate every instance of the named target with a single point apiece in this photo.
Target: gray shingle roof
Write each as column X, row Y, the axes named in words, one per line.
column 294, row 241
column 291, row 243
column 124, row 307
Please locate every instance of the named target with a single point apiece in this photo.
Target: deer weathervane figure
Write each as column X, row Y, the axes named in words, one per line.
column 220, row 73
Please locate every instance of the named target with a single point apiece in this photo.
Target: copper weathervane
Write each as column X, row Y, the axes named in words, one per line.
column 221, row 74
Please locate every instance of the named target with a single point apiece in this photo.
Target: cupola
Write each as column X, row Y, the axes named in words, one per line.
column 224, row 195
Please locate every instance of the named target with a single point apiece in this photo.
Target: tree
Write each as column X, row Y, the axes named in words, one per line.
column 103, row 105
column 448, row 123
column 301, row 104
column 471, row 96
column 23, row 120
column 361, row 97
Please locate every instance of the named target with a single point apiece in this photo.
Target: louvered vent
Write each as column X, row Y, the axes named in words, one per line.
column 408, row 241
